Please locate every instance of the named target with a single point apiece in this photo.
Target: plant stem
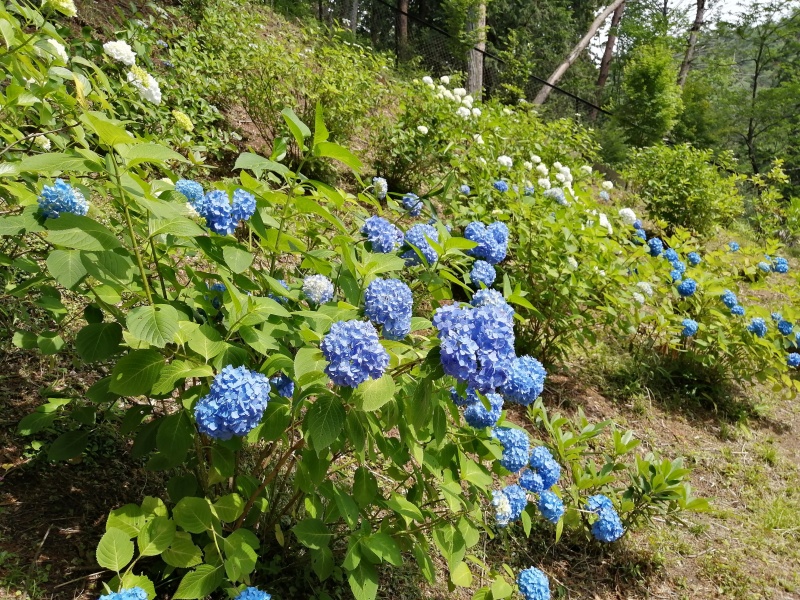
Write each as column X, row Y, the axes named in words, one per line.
column 158, row 269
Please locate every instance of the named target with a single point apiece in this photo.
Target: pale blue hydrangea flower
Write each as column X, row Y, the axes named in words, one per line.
column 416, row 238
column 785, row 327
column 492, row 241
column 780, row 265
column 551, row 506
column 737, row 311
column 383, row 235
column 689, row 327
column 525, row 381
column 234, row 405
column 61, row 197
column 543, row 463
column 729, row 299
column 516, row 447
column 501, row 186
column 412, row 204
column 318, row 289
column 694, row 258
column 482, row 273
column 687, row 287
column 733, row 246
column 193, row 191
column 388, row 302
column 793, row 360
column 253, row 593
column 283, row 385
column 354, row 353
column 758, row 327
column 533, row 584
column 134, row 593
column 656, row 246
column 476, row 415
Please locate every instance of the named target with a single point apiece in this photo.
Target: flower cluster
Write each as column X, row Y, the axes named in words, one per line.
column 120, row 51
column 61, row 197
column 687, row 287
column 234, row 405
column 780, row 265
column 412, row 204
column 785, row 327
column 416, row 238
column 477, row 415
column 729, row 299
column 192, row 190
column 215, row 207
column 608, row 526
column 318, row 289
column 694, row 258
column 525, row 381
column 516, row 447
column 733, row 246
column 388, row 302
column 492, row 241
column 501, row 186
column 509, row 504
column 383, row 236
column 66, row 7
column 134, row 593
column 544, row 471
column 656, row 246
column 381, row 187
column 628, row 216
column 482, row 273
column 737, row 311
column 283, row 385
column 354, row 353
column 145, row 84
column 758, row 327
column 465, row 189
column 551, row 506
column 556, row 194
column 533, row 584
column 689, row 327
column 793, row 360
column 253, row 593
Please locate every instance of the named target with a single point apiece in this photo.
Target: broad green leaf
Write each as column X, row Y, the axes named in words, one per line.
column 115, row 550
column 174, row 438
column 337, row 152
column 35, row 422
column 322, row 562
column 54, row 162
column 129, row 518
column 320, row 131
column 109, row 133
column 177, row 370
column 98, row 341
column 237, row 259
column 129, row 580
column 200, row 582
column 299, row 130
column 324, row 421
column 229, row 508
column 179, row 226
column 156, row 325
column 312, row 533
column 149, row 153
column 374, row 393
column 24, row 339
column 49, row 342
column 156, row 536
column 258, row 164
column 383, row 547
column 363, row 581
column 365, row 487
column 461, row 575
column 182, row 553
column 80, row 233
column 135, row 373
column 68, row 445
column 66, row 267
column 193, row 514
column 401, row 505
column 308, row 360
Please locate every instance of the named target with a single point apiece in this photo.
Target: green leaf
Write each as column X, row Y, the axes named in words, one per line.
column 238, row 259
column 312, row 533
column 129, row 518
column 115, row 550
column 461, row 575
column 52, row 163
column 149, row 153
column 324, row 421
column 308, row 360
column 384, row 548
column 299, row 130
column 68, row 445
column 322, row 562
column 177, row 370
column 156, row 536
column 156, row 325
column 35, row 422
column 200, row 582
column 49, row 342
column 109, row 133
column 258, row 164
column 80, row 233
column 193, row 514
column 337, row 152
column 98, row 341
column 178, row 226
column 66, row 267
column 320, row 131
column 402, row 506
column 135, row 373
column 374, row 393
column 182, row 553
column 363, row 581
column 174, row 438
column 129, row 580
column 501, row 588
column 25, row 340
column 229, row 508
column 365, row 487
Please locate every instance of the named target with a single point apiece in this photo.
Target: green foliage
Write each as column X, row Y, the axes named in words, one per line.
column 684, row 186
column 651, row 99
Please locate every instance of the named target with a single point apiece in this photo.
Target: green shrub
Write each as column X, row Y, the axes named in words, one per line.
column 682, row 186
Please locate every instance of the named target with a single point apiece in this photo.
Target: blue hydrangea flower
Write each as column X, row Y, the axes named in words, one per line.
column 388, row 302
column 551, row 506
column 531, row 481
column 509, row 504
column 785, row 327
column 656, row 246
column 460, row 400
column 134, row 593
column 557, row 194
column 776, row 316
column 516, row 447
column 729, row 299
column 793, row 360
column 734, row 246
column 283, row 385
column 383, row 236
column 765, row 266
column 525, row 382
column 318, row 289
column 216, row 210
column 234, row 405
column 678, row 265
column 687, row 287
column 492, row 241
column 694, row 258
column 193, row 191
column 737, row 311
column 61, row 197
column 758, row 327
column 412, row 204
column 218, row 289
column 599, row 502
column 354, row 353
column 689, row 327
column 464, row 189
column 671, row 255
column 518, row 499
column 168, row 63
column 640, row 233
column 533, row 584
column 476, row 344
column 675, row 275
column 381, row 187
column 476, row 415
column 604, row 196
column 416, row 238
column 482, row 273
column 489, row 297
column 543, row 463
column 780, row 265
column 244, row 205
column 608, row 526
column 253, row 593
column 501, row 186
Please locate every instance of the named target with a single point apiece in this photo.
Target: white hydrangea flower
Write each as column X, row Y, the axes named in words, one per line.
column 478, row 138
column 572, row 262
column 467, row 101
column 440, row 96
column 427, row 80
column 604, row 223
column 505, row 161
column 449, row 95
column 645, row 288
column 502, row 508
column 587, row 169
column 422, row 129
column 29, row 81
column 445, row 79
column 42, row 142
column 599, row 271
column 66, row 7
column 460, row 92
column 476, row 112
column 542, row 168
column 560, row 177
column 193, row 214
column 544, row 183
column 528, row 165
column 58, row 50
column 558, row 166
column 145, row 84
column 463, row 112
column 536, row 159
column 627, row 215
column 508, row 111
column 638, row 297
column 120, row 51
column 607, row 185
column 441, row 89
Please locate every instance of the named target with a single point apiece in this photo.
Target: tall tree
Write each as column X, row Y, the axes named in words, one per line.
column 694, row 32
column 477, row 26
column 402, row 29
column 608, row 54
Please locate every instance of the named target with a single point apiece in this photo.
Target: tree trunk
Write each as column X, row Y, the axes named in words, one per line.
column 605, row 64
column 402, row 30
column 354, row 16
column 475, row 56
column 576, row 52
column 694, row 32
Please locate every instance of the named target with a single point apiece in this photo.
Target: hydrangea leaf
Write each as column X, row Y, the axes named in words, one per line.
column 68, row 445
column 115, row 550
column 363, row 581
column 156, row 325
column 200, row 582
column 66, row 267
column 461, row 575
column 182, row 553
column 324, row 421
column 98, row 341
column 312, row 533
column 374, row 393
column 156, row 536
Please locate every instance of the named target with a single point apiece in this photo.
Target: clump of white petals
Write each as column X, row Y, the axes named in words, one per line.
column 42, row 142
column 627, row 215
column 145, row 84
column 58, row 50
column 505, row 161
column 544, row 183
column 607, row 185
column 476, row 112
column 445, row 79
column 120, row 51
column 463, row 112
column 422, row 129
column 542, row 168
